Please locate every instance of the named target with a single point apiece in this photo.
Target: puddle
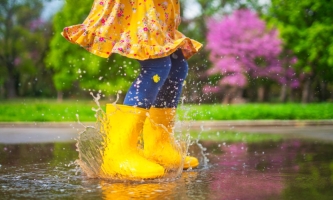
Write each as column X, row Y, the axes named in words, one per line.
column 285, row 168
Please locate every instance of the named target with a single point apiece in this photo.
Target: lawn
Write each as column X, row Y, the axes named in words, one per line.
column 39, row 110
column 289, row 111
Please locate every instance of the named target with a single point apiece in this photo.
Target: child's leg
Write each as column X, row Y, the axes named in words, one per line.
column 124, row 124
column 169, row 94
column 145, row 88
column 159, row 144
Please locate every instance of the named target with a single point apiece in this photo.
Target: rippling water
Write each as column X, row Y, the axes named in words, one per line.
column 284, row 169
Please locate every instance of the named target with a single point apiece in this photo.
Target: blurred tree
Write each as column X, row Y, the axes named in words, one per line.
column 72, row 65
column 23, row 42
column 306, row 28
column 195, row 27
column 244, row 51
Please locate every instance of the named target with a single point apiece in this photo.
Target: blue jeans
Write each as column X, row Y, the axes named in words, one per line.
column 159, row 83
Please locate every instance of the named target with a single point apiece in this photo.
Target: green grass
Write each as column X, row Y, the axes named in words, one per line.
column 258, row 111
column 39, row 110
column 46, row 111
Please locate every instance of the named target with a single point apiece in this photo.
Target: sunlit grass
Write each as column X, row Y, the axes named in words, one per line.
column 46, row 110
column 291, row 111
column 41, row 110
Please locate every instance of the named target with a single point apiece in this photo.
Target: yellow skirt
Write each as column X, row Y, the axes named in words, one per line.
column 139, row 29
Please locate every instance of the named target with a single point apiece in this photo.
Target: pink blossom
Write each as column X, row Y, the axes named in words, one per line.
column 238, row 79
column 209, row 88
column 242, row 46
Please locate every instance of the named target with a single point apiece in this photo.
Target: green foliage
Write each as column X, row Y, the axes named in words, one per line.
column 72, row 64
column 306, row 27
column 23, row 40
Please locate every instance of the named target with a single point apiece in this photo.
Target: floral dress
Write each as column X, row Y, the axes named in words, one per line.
column 139, row 29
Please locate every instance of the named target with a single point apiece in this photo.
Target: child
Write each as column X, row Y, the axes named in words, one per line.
column 145, row 30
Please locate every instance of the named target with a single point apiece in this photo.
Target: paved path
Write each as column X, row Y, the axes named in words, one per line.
column 65, row 132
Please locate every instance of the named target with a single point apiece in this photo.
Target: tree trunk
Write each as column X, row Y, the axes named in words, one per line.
column 226, row 97
column 10, row 88
column 292, row 95
column 2, row 92
column 323, row 91
column 233, row 95
column 261, row 93
column 60, row 96
column 306, row 91
column 238, row 96
column 283, row 93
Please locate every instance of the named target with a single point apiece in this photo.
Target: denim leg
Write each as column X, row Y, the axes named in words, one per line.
column 170, row 92
column 145, row 88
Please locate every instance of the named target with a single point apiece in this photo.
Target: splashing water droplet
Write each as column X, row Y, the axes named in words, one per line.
column 91, row 146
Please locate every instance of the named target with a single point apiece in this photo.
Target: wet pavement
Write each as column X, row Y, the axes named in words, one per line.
column 39, row 163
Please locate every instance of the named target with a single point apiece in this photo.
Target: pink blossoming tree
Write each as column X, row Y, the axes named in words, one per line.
column 243, row 51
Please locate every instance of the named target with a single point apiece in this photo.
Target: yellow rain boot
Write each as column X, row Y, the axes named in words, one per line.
column 159, row 143
column 121, row 157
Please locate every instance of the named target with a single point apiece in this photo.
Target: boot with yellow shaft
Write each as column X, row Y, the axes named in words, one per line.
column 159, row 143
column 121, row 157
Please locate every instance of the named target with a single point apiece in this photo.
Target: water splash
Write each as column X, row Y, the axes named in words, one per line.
column 193, row 141
column 92, row 145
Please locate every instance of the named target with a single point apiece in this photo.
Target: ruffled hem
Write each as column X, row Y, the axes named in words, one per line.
column 104, row 47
